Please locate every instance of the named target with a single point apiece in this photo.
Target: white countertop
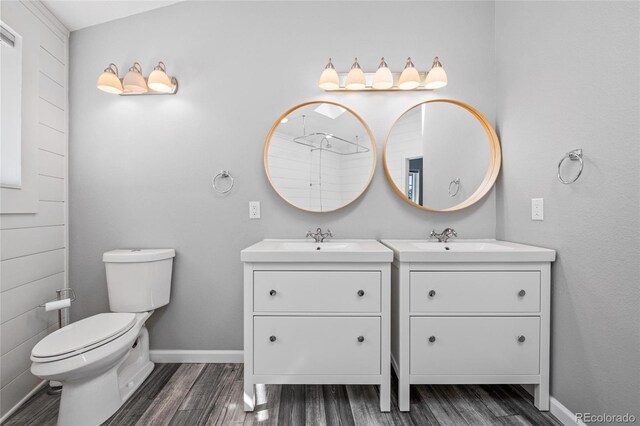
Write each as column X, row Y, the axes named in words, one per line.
column 333, row 250
column 467, row 251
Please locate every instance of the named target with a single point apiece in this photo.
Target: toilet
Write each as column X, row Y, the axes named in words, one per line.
column 103, row 359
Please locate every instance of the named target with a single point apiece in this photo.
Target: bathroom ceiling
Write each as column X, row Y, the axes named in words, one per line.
column 77, row 14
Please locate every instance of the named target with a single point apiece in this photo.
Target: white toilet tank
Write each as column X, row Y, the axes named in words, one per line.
column 138, row 280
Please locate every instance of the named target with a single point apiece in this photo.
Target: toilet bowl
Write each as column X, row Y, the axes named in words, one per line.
column 97, row 364
column 101, row 360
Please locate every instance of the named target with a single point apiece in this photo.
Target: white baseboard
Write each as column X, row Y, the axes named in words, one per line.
column 394, row 365
column 563, row 414
column 559, row 411
column 22, row 401
column 200, row 357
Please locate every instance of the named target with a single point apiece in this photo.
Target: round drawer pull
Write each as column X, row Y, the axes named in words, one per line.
column 360, row 339
column 521, row 339
column 432, row 293
column 432, row 339
column 360, row 293
column 521, row 293
column 272, row 338
column 273, row 292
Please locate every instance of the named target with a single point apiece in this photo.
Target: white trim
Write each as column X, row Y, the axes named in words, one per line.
column 65, row 313
column 563, row 414
column 559, row 411
column 22, row 401
column 394, row 364
column 187, row 356
column 47, row 17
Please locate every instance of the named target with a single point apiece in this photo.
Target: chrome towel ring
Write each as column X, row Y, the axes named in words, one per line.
column 455, row 182
column 224, row 174
column 574, row 155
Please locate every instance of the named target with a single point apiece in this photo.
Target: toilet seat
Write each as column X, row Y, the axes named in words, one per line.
column 82, row 336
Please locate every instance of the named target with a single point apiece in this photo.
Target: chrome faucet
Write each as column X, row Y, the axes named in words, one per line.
column 444, row 236
column 319, row 236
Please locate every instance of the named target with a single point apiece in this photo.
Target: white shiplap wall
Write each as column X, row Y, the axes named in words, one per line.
column 33, row 247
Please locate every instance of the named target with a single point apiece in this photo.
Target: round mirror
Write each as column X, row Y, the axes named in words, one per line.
column 319, row 156
column 442, row 155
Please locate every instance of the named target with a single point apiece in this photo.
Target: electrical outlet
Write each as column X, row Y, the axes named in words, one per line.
column 254, row 209
column 537, row 209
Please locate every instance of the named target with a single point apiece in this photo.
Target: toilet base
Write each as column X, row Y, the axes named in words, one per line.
column 93, row 401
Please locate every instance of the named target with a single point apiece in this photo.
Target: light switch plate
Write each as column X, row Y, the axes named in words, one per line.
column 537, row 209
column 254, row 209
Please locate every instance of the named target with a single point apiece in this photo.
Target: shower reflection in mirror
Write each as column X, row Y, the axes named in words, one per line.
column 319, row 157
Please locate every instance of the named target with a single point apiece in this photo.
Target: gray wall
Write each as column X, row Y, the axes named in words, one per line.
column 568, row 78
column 140, row 167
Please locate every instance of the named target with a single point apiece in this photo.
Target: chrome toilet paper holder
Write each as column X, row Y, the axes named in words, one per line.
column 62, row 293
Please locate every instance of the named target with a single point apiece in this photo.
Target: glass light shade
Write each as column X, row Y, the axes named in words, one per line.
column 133, row 80
column 109, row 82
column 383, row 79
column 159, row 81
column 410, row 78
column 329, row 79
column 436, row 78
column 355, row 78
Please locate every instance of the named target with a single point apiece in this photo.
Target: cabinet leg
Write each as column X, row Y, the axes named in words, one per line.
column 541, row 396
column 403, row 394
column 249, row 396
column 385, row 395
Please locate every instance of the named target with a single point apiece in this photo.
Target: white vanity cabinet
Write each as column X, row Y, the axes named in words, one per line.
column 317, row 313
column 470, row 312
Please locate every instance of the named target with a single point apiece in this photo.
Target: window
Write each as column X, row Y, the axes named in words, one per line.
column 11, row 107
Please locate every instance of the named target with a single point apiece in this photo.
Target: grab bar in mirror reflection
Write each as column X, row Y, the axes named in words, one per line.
column 455, row 182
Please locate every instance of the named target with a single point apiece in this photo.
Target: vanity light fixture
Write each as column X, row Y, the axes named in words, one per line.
column 134, row 83
column 410, row 78
column 109, row 81
column 159, row 80
column 383, row 79
column 133, row 80
column 355, row 78
column 436, row 77
column 329, row 78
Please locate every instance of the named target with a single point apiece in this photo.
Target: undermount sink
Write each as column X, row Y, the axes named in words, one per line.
column 272, row 250
column 467, row 251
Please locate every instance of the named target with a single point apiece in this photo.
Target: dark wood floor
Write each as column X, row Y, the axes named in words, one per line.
column 211, row 394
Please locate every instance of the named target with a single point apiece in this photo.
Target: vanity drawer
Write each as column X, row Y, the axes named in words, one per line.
column 316, row 291
column 475, row 291
column 475, row 345
column 316, row 345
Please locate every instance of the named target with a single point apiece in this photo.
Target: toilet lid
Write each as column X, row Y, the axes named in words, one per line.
column 83, row 333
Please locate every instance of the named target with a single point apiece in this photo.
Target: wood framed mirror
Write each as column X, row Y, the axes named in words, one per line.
column 442, row 155
column 320, row 156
